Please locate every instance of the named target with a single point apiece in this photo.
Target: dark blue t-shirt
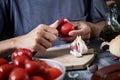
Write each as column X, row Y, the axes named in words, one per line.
column 18, row 17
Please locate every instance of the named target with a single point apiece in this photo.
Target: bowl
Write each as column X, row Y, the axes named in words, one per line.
column 53, row 63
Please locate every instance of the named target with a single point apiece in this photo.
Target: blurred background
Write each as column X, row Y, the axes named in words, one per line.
column 112, row 27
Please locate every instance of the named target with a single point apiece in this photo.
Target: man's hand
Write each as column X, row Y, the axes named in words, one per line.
column 39, row 39
column 80, row 28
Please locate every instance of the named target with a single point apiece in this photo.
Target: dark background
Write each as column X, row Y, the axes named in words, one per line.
column 118, row 9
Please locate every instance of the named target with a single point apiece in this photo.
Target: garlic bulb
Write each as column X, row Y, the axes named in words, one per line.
column 78, row 47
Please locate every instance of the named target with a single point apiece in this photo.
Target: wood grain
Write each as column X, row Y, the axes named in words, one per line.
column 69, row 61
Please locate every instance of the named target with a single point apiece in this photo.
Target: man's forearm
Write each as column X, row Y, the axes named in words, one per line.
column 6, row 47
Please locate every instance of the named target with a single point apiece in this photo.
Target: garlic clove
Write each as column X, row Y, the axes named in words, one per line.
column 78, row 47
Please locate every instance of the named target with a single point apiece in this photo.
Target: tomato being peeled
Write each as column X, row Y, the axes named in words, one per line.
column 64, row 27
column 20, row 52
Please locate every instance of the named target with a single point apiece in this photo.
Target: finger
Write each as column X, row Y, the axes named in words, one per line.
column 52, row 31
column 50, row 37
column 55, row 24
column 76, row 33
column 40, row 49
column 67, row 39
column 45, row 43
column 66, row 20
column 48, row 29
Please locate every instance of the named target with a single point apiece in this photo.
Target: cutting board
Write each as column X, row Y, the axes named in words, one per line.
column 62, row 54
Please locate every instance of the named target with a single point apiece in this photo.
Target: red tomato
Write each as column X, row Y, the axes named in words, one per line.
column 52, row 73
column 20, row 61
column 33, row 68
column 5, row 70
column 64, row 28
column 43, row 64
column 3, row 61
column 18, row 74
column 61, row 21
column 21, row 51
column 36, row 78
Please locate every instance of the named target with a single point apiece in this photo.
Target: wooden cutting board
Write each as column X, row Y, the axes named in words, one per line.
column 71, row 62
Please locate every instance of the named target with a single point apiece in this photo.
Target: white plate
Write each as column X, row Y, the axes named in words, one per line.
column 53, row 63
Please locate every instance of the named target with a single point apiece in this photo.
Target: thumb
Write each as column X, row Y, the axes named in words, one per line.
column 55, row 24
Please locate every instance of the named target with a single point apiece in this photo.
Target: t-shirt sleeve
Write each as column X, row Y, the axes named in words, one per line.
column 98, row 10
column 4, row 20
column 2, row 15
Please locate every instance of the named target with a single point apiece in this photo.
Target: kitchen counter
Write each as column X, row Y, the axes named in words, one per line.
column 102, row 58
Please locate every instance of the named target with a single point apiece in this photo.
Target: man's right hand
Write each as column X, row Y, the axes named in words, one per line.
column 39, row 39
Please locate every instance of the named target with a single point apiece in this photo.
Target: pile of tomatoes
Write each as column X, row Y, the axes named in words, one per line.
column 23, row 67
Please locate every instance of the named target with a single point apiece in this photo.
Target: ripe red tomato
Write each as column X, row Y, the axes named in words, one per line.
column 3, row 61
column 64, row 28
column 61, row 21
column 43, row 63
column 36, row 78
column 21, row 51
column 18, row 74
column 52, row 73
column 5, row 70
column 33, row 68
column 20, row 61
